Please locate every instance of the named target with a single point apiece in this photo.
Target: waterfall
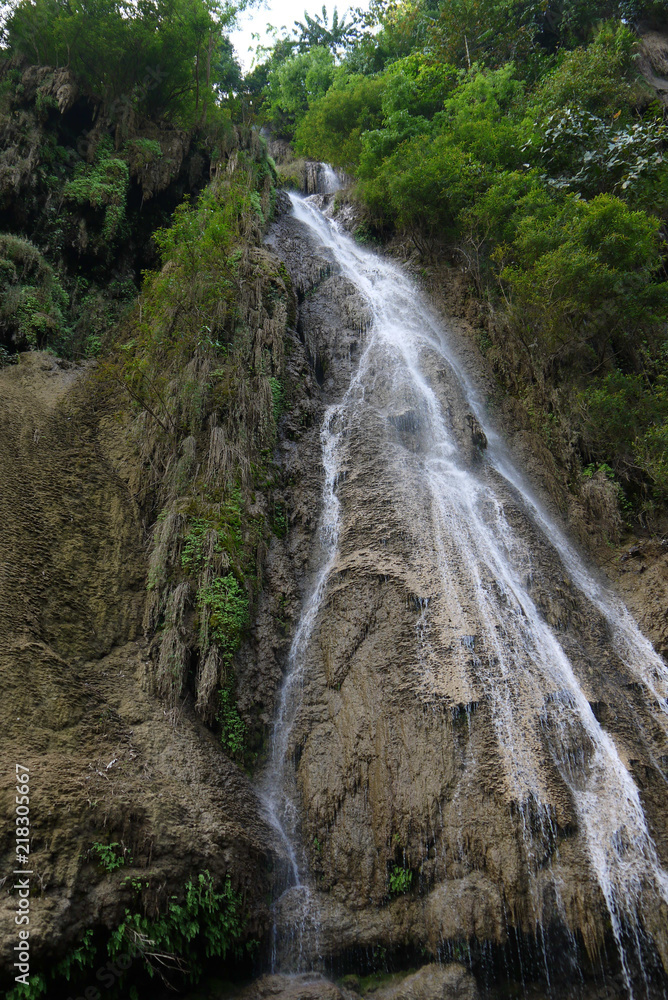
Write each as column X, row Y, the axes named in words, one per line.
column 329, row 179
column 480, row 537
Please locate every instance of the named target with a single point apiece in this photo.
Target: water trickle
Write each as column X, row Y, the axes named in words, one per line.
column 477, row 531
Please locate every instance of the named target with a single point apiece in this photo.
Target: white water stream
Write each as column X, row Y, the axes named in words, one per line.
column 521, row 669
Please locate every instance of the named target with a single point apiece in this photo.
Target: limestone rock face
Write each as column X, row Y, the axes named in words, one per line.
column 433, row 982
column 107, row 762
column 411, row 746
column 307, row 986
column 653, row 60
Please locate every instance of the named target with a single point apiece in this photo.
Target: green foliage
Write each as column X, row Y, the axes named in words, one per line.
column 33, row 303
column 277, row 397
column 296, row 83
column 599, row 79
column 585, row 274
column 232, row 726
column 155, row 58
column 490, row 31
column 280, row 521
column 228, row 613
column 199, row 285
column 584, row 153
column 102, row 184
column 256, row 205
column 207, row 924
column 35, row 989
column 626, row 417
column 334, row 124
column 6, row 358
column 400, row 880
column 79, row 958
column 417, row 85
column 217, row 533
column 108, row 856
column 518, row 136
column 144, row 151
column 317, row 31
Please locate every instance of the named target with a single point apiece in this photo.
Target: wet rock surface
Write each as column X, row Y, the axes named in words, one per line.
column 432, row 982
column 415, row 752
column 440, row 799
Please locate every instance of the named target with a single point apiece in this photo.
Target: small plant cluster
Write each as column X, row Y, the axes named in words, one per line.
column 232, row 726
column 228, row 613
column 207, row 924
column 110, row 857
column 400, row 880
column 103, row 184
column 192, row 554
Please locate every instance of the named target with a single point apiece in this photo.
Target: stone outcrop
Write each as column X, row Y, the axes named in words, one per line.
column 109, row 763
column 653, row 60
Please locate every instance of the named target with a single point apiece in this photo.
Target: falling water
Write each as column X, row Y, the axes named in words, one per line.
column 468, row 515
column 328, row 179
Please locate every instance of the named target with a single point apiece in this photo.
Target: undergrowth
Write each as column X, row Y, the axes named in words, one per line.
column 204, row 923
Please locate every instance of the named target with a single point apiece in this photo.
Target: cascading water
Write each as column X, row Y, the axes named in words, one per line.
column 328, row 180
column 479, row 537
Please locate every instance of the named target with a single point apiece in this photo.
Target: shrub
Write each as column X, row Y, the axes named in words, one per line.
column 585, row 274
column 102, row 184
column 333, row 127
column 228, row 614
column 400, row 880
column 208, row 924
column 33, row 303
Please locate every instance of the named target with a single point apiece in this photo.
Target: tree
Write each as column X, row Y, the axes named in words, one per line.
column 297, row 83
column 315, row 31
column 154, row 55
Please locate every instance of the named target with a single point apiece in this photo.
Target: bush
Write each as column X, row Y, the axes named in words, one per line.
column 600, row 78
column 228, row 614
column 332, row 128
column 626, row 418
column 33, row 304
column 585, row 274
column 103, row 184
column 296, row 83
column 149, row 58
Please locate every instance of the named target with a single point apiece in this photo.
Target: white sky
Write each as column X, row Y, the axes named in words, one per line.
column 279, row 13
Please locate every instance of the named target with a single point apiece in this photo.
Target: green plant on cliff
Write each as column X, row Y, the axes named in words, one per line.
column 33, row 304
column 228, row 613
column 207, row 924
column 232, row 726
column 400, row 880
column 102, row 184
column 109, row 857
